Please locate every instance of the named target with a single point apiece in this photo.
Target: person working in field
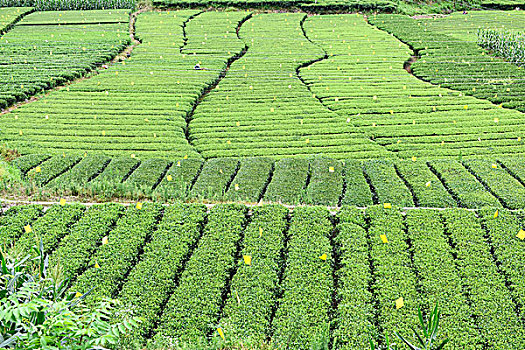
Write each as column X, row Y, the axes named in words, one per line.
column 198, row 67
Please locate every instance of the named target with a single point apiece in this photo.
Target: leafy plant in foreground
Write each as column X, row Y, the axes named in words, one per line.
column 430, row 332
column 37, row 313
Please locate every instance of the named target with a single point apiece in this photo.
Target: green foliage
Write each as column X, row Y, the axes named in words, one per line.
column 37, row 313
column 430, row 330
column 507, row 44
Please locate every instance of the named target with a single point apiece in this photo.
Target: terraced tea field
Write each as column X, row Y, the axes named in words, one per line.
column 284, row 179
column 335, row 82
column 311, row 276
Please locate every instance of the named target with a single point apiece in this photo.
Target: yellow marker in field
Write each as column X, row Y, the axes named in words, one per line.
column 97, row 266
column 169, row 177
column 178, row 163
column 105, row 240
column 132, row 155
column 400, row 303
column 28, row 229
column 247, row 259
column 428, row 184
column 78, row 295
column 496, row 120
column 238, row 124
column 307, row 141
column 323, row 257
column 38, row 169
column 414, row 159
column 237, row 187
column 521, row 234
column 331, row 169
column 139, row 205
column 260, row 231
column 494, row 166
column 221, row 333
column 387, row 206
column 384, row 239
column 185, row 157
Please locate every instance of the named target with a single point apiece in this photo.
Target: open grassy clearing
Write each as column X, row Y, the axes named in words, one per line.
column 187, row 273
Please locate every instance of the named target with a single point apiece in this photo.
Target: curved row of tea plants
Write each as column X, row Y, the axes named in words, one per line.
column 363, row 81
column 137, row 107
column 38, row 54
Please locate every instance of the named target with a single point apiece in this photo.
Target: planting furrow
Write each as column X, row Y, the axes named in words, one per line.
column 215, row 178
column 357, row 191
column 28, row 162
column 111, row 262
column 326, row 182
column 491, row 303
column 249, row 305
column 12, row 223
column 462, row 184
column 439, row 281
column 54, row 225
column 75, row 250
column 387, row 184
column 503, row 185
column 192, row 310
column 302, row 320
column 250, row 180
column 288, row 181
column 355, row 312
column 507, row 250
column 178, row 179
column 425, row 186
column 52, row 168
column 74, row 180
column 394, row 279
column 154, row 278
column 146, row 176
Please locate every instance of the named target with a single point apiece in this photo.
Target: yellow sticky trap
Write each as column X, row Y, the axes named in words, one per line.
column 238, row 124
column 496, row 120
column 428, row 184
column 105, row 240
column 185, row 157
column 247, row 259
column 178, row 163
column 221, row 333
column 521, row 234
column 465, row 107
column 62, row 202
column 323, row 257
column 387, row 206
column 97, row 266
column 139, row 205
column 331, row 169
column 38, row 169
column 132, row 155
column 28, row 229
column 519, row 138
column 307, row 140
column 400, row 303
column 414, row 159
column 78, row 295
column 236, row 187
column 494, row 166
column 383, row 238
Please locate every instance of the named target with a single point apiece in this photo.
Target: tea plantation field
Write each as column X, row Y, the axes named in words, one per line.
column 299, row 277
column 279, row 175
